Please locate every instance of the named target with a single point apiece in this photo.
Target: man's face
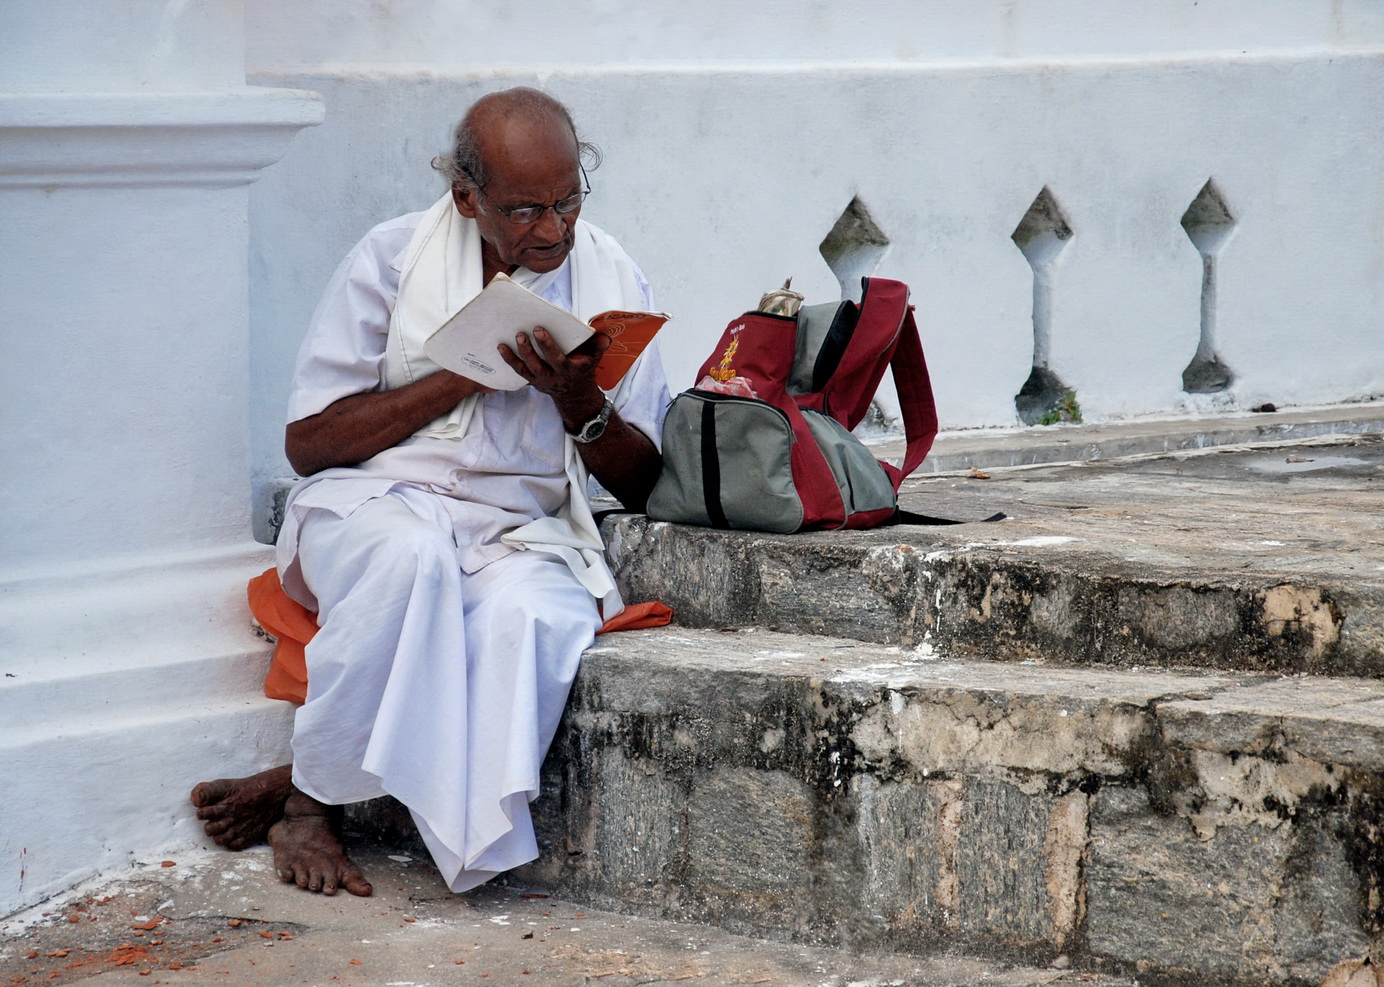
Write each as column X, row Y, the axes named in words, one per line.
column 528, row 163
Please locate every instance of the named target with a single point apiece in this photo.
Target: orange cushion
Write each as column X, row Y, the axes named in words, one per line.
column 294, row 625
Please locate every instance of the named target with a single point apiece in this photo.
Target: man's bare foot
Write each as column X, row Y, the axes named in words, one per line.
column 308, row 851
column 239, row 811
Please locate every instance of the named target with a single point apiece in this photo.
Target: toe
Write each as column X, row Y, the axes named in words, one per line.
column 207, row 792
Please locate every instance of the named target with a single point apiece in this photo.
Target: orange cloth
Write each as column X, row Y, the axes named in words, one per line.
column 294, row 625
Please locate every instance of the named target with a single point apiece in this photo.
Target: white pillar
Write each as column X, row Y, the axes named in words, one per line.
column 127, row 664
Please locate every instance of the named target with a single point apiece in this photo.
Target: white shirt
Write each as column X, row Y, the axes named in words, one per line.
column 507, row 470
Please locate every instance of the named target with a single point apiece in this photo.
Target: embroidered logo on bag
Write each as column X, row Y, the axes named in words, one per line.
column 723, row 371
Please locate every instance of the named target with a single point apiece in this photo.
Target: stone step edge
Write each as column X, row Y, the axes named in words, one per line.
column 1337, row 720
column 964, row 449
column 871, row 586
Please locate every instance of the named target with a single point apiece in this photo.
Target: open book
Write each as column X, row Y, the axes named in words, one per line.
column 467, row 344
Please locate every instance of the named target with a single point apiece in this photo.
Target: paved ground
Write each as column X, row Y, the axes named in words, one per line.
column 214, row 918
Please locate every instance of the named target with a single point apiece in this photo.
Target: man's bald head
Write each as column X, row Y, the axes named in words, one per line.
column 500, row 121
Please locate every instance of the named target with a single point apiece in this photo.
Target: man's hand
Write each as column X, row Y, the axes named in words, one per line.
column 568, row 378
column 622, row 459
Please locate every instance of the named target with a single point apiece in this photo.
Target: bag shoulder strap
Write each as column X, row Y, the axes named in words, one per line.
column 916, row 404
column 908, row 517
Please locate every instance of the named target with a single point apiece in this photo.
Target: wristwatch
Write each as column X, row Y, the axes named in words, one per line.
column 596, row 427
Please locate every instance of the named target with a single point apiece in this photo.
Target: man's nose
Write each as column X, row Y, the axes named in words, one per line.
column 549, row 224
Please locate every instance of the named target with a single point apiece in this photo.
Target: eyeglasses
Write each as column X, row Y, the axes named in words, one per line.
column 523, row 215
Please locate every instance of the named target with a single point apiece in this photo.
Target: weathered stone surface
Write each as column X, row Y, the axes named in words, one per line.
column 750, row 837
column 716, row 584
column 984, row 719
column 1154, row 560
column 1253, row 903
column 1158, row 894
column 1317, row 922
column 1002, row 866
column 908, row 835
column 872, row 592
column 638, row 823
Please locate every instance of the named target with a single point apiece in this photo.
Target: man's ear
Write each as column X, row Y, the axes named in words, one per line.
column 465, row 198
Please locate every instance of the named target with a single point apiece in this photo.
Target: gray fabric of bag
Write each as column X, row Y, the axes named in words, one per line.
column 753, row 478
column 863, row 484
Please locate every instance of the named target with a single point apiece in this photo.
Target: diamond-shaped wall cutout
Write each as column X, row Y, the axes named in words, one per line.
column 1207, row 220
column 1041, row 235
column 1208, row 224
column 1043, row 231
column 854, row 248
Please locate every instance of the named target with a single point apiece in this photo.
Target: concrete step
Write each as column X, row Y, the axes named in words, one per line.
column 62, row 699
column 1251, row 558
column 81, row 649
column 90, row 798
column 1182, row 826
column 120, row 688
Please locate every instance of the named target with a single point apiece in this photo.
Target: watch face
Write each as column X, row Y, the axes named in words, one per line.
column 596, row 427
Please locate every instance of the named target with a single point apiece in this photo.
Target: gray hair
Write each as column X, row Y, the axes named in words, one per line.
column 465, row 166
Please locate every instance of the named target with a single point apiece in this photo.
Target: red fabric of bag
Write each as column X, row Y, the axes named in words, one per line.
column 761, row 347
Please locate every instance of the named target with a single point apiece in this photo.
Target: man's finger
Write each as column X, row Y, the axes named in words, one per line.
column 515, row 364
column 593, row 347
column 528, row 352
column 547, row 347
column 525, row 362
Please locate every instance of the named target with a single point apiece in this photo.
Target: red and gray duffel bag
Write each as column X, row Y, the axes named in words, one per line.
column 764, row 442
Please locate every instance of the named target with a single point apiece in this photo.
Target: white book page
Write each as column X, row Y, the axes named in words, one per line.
column 467, row 343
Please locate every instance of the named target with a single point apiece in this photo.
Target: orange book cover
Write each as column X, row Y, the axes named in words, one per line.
column 466, row 343
column 629, row 333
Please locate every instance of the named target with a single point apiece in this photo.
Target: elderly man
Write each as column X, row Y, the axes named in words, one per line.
column 442, row 534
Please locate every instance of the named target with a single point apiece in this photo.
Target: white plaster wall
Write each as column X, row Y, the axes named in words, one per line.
column 735, row 135
column 97, row 46
column 127, row 139
column 548, row 34
column 129, row 377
